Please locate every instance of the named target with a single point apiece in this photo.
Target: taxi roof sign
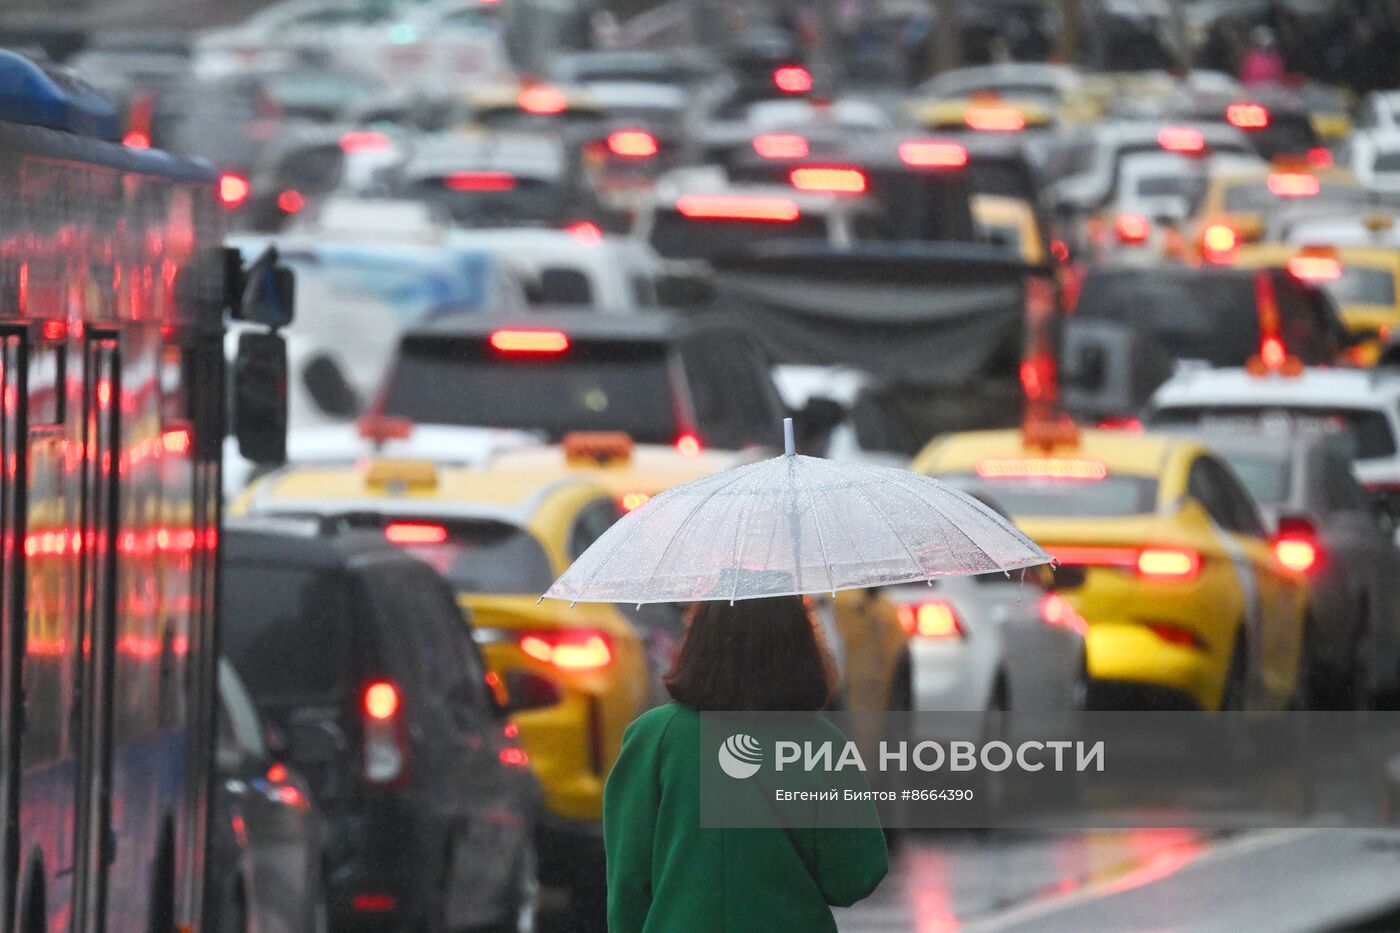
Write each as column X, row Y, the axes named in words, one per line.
column 401, row 475
column 597, row 448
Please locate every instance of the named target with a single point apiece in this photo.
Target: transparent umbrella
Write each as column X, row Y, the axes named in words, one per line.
column 792, row 525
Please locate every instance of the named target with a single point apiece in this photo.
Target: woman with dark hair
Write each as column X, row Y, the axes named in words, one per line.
column 668, row 875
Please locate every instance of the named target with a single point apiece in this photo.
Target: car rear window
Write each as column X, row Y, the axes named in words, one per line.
column 294, row 615
column 1362, row 433
column 1194, row 317
column 676, row 236
column 590, row 386
column 499, row 198
column 1386, row 162
column 1113, row 495
column 1265, row 477
column 474, row 556
column 1359, row 285
column 1256, row 197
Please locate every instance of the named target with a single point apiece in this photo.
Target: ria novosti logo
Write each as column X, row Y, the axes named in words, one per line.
column 740, row 756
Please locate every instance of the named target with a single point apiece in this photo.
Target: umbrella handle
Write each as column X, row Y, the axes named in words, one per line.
column 789, row 441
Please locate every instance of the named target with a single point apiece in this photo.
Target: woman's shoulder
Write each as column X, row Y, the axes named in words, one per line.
column 659, row 720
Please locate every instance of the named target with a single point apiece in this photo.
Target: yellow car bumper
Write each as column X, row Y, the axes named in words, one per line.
column 1130, row 653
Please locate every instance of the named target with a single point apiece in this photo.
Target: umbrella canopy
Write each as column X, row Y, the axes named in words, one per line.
column 793, row 525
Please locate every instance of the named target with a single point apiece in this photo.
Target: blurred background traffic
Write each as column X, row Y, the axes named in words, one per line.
column 1124, row 269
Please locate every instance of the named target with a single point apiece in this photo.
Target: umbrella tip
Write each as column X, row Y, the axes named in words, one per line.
column 789, row 441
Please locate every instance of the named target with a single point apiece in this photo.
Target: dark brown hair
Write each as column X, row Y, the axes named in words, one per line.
column 757, row 654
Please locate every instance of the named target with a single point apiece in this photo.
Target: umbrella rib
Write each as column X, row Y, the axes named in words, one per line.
column 741, row 542
column 821, row 539
column 890, row 525
column 681, row 525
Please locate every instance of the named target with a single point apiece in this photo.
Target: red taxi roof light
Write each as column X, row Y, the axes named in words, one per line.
column 480, row 181
column 1077, row 469
column 994, row 118
column 1247, row 116
column 1168, row 564
column 792, row 79
column 1132, row 229
column 529, row 341
column 828, row 179
column 632, row 144
column 737, row 207
column 233, row 190
column 415, row 533
column 1184, row 139
column 933, row 618
column 919, row 153
column 781, row 146
column 1293, row 184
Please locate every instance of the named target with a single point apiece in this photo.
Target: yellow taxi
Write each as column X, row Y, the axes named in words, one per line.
column 1360, row 279
column 1163, row 552
column 1010, row 221
column 980, row 112
column 1236, row 205
column 501, row 537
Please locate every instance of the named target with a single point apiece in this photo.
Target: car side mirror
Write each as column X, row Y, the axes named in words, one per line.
column 814, row 422
column 331, row 392
column 260, row 397
column 528, row 691
column 264, row 293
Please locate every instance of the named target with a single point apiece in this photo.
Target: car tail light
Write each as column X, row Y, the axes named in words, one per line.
column 933, row 618
column 530, row 341
column 792, row 79
column 1272, row 352
column 1175, row 634
column 513, row 757
column 1315, row 268
column 731, row 207
column 834, row 180
column 1297, row 554
column 1320, row 157
column 632, row 500
column 415, row 533
column 1168, row 564
column 290, row 201
column 994, row 118
column 386, row 750
column 780, row 146
column 632, row 144
column 585, row 231
column 136, row 139
column 919, row 153
column 1184, row 139
column 542, row 100
column 1218, row 243
column 479, row 181
column 1066, row 468
column 1247, row 116
column 363, row 141
column 1129, row 424
column 1132, row 229
column 569, row 649
column 1293, row 184
column 233, row 190
column 374, row 903
column 1056, row 610
column 688, row 445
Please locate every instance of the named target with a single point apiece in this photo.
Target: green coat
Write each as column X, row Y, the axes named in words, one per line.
column 667, row 875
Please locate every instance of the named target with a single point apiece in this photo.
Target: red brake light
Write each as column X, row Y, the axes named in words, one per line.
column 1315, row 268
column 415, row 533
column 1129, row 424
column 1132, row 229
column 736, row 207
column 1066, row 468
column 1320, row 157
column 542, row 100
column 994, row 118
column 54, row 330
column 1183, row 139
column 277, row 772
column 530, row 341
column 373, row 903
column 632, row 144
column 513, row 757
column 233, row 189
column 480, row 181
column 1293, row 184
column 136, row 139
column 363, row 141
column 792, row 79
column 585, row 231
column 836, row 180
column 381, row 700
column 932, row 154
column 780, row 146
column 1056, row 610
column 934, row 618
column 1168, row 564
column 569, row 650
column 1218, row 242
column 176, row 440
column 290, row 201
column 1296, row 554
column 688, row 445
column 1272, row 352
column 1247, row 116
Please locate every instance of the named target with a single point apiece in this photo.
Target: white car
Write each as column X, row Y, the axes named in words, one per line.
column 1361, row 407
column 1380, row 110
column 280, row 34
column 1375, row 158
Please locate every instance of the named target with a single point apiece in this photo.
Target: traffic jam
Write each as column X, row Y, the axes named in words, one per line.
column 490, row 275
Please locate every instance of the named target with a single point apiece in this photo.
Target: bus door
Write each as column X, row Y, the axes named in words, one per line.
column 12, row 508
column 95, row 842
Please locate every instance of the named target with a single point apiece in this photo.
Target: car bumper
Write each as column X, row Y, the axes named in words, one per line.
column 1131, row 654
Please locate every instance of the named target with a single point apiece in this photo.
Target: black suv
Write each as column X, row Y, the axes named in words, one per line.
column 663, row 379
column 357, row 654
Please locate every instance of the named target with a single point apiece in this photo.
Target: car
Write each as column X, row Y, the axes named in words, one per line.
column 1161, row 550
column 1059, row 89
column 981, row 113
column 1361, row 407
column 693, row 384
column 500, row 537
column 1378, row 112
column 1280, row 124
column 388, row 711
column 269, row 837
column 1328, row 528
column 1361, row 280
column 682, row 68
column 1132, row 325
column 1375, row 158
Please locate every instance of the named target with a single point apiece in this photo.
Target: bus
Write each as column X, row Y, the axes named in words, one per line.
column 114, row 288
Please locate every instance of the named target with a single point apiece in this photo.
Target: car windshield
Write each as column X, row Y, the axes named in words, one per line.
column 1363, row 433
column 1114, row 495
column 590, row 386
